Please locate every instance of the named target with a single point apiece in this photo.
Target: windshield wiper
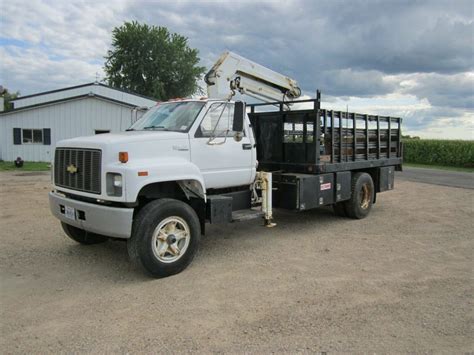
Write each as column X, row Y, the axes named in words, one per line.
column 130, row 129
column 156, row 127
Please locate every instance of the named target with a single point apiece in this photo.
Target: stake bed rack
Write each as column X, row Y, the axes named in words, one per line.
column 315, row 141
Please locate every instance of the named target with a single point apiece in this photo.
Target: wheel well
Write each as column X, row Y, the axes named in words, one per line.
column 188, row 191
column 373, row 172
column 165, row 189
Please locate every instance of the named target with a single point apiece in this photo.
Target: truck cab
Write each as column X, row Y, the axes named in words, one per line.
column 189, row 140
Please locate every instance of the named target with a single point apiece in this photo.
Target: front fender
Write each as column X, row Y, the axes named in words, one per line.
column 159, row 170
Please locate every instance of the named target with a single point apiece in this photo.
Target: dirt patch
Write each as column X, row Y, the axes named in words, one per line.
column 32, row 173
column 398, row 281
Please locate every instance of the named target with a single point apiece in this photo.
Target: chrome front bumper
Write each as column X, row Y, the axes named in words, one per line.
column 109, row 221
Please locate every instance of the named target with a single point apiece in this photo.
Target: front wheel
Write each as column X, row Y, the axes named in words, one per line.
column 362, row 198
column 165, row 237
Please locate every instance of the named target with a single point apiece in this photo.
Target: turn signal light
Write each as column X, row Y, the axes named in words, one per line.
column 123, row 157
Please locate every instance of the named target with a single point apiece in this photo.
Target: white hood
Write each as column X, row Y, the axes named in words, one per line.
column 140, row 145
column 102, row 140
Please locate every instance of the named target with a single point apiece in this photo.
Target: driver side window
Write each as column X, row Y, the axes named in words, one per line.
column 218, row 121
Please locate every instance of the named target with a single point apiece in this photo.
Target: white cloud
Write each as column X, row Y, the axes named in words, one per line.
column 32, row 68
column 447, row 128
column 381, row 58
column 56, row 43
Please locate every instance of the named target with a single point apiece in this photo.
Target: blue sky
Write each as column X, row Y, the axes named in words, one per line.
column 412, row 59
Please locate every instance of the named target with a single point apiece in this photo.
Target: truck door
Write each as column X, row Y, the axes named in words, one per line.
column 223, row 161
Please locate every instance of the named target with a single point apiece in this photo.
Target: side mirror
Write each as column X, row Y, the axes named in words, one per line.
column 239, row 114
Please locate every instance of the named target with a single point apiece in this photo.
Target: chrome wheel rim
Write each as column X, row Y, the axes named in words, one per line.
column 171, row 239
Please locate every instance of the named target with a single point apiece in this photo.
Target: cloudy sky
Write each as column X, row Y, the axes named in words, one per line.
column 412, row 59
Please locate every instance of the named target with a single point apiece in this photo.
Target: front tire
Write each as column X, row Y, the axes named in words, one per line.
column 81, row 236
column 362, row 198
column 165, row 237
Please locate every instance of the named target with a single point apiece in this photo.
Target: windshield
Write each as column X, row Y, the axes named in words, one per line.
column 169, row 116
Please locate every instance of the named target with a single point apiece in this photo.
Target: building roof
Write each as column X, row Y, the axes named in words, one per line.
column 90, row 95
column 90, row 89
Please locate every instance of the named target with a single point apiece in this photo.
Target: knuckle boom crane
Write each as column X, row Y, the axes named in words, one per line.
column 233, row 73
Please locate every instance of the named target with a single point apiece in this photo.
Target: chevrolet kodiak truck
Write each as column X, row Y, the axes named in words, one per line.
column 189, row 162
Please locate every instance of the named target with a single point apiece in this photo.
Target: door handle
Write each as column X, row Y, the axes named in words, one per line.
column 246, row 146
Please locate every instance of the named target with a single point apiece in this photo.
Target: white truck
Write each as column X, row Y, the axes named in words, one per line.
column 189, row 162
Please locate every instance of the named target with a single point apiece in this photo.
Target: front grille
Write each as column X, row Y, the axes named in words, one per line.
column 78, row 169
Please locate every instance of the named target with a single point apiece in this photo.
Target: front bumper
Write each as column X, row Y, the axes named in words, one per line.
column 109, row 221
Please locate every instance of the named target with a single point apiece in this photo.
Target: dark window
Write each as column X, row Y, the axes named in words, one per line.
column 37, row 136
column 101, row 131
column 27, row 136
column 32, row 136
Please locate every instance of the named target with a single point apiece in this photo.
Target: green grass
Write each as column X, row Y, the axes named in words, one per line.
column 440, row 167
column 27, row 166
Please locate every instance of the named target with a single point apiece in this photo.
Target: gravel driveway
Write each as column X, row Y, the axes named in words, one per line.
column 400, row 280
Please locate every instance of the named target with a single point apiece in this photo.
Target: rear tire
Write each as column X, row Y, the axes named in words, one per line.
column 360, row 203
column 81, row 236
column 165, row 237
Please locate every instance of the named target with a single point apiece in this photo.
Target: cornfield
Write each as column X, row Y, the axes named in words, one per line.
column 439, row 152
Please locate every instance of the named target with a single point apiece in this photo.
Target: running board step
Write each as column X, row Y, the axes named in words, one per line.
column 246, row 215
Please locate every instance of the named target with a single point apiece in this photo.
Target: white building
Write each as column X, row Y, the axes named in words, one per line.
column 38, row 121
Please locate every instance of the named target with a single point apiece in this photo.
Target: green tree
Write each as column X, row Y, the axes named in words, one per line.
column 8, row 97
column 151, row 61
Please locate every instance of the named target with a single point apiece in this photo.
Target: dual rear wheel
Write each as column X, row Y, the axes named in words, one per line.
column 362, row 197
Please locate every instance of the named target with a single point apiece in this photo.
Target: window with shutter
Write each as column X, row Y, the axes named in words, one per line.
column 32, row 136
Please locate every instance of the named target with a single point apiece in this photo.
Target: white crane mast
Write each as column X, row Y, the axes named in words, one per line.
column 232, row 73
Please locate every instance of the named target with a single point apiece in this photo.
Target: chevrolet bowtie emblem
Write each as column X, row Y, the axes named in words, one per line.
column 71, row 169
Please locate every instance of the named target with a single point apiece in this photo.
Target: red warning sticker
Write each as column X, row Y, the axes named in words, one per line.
column 326, row 186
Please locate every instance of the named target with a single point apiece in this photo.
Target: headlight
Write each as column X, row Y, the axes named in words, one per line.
column 118, row 180
column 114, row 184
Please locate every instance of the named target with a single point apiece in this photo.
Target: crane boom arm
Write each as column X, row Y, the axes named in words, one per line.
column 232, row 72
